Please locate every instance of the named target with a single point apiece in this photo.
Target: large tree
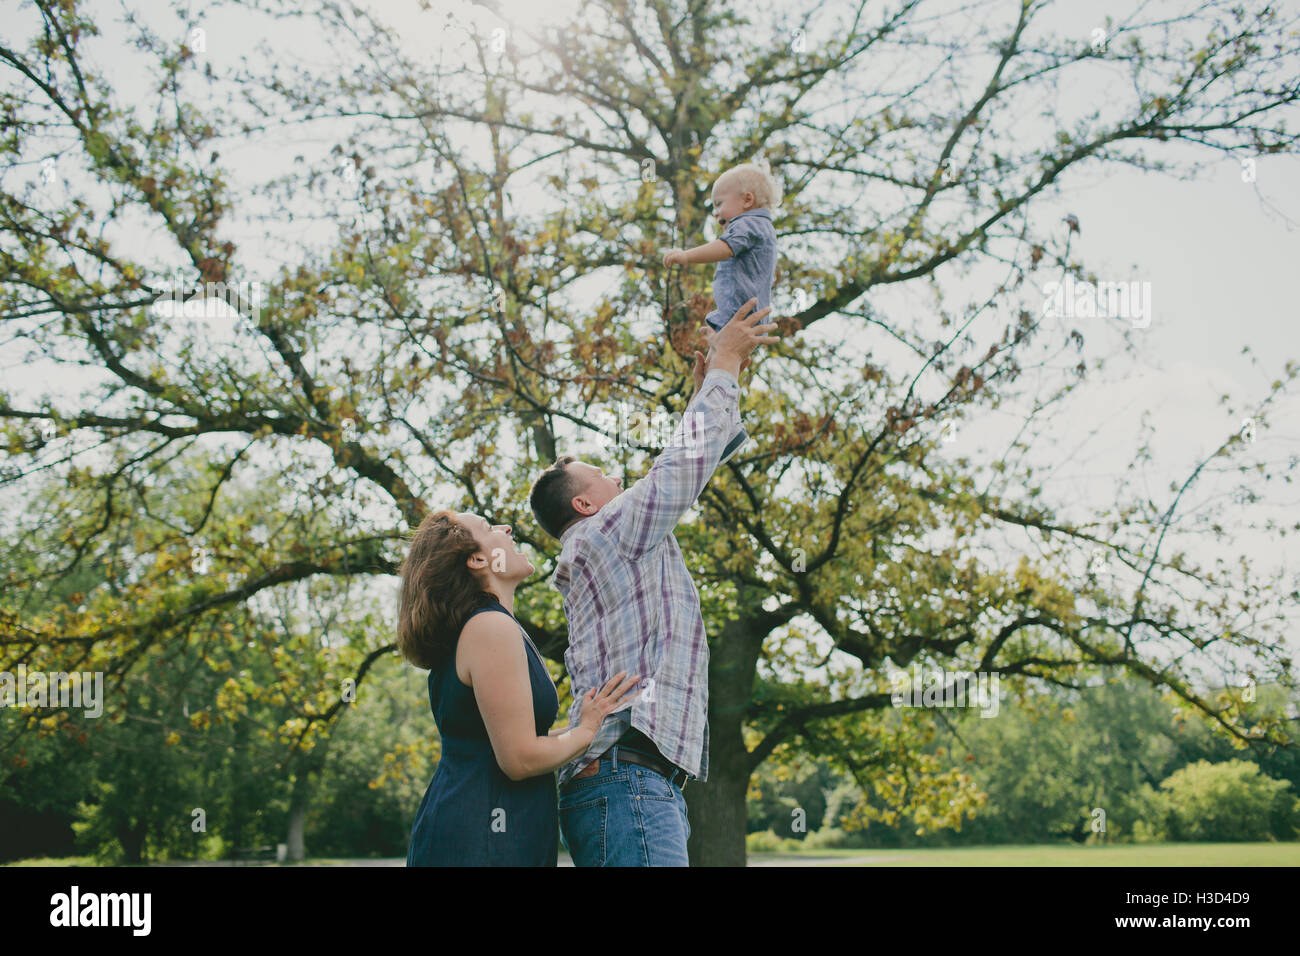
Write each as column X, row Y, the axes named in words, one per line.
column 464, row 280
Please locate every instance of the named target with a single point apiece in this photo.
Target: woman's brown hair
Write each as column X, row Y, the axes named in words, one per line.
column 438, row 590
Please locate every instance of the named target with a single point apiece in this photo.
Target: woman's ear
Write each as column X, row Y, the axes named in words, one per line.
column 476, row 561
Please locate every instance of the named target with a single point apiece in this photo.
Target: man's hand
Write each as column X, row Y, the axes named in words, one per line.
column 618, row 691
column 745, row 332
column 703, row 360
column 701, row 367
column 698, row 371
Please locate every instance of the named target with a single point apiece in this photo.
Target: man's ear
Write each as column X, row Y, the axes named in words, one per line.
column 582, row 505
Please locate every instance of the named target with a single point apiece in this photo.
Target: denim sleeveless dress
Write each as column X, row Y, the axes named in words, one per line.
column 473, row 814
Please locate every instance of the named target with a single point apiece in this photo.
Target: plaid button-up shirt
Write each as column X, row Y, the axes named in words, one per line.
column 630, row 602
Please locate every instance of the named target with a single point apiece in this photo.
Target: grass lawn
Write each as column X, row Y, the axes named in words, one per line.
column 1155, row 854
column 54, row 861
column 314, row 861
column 1149, row 854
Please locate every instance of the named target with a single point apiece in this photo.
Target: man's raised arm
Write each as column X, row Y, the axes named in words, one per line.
column 649, row 510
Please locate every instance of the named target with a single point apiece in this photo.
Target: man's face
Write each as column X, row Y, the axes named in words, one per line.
column 595, row 488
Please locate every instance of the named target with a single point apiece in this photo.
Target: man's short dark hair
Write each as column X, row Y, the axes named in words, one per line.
column 552, row 497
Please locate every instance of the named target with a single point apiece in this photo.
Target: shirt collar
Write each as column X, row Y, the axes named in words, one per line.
column 564, row 535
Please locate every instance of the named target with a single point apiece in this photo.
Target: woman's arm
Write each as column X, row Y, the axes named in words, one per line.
column 497, row 662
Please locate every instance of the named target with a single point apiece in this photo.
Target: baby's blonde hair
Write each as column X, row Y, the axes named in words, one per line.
column 754, row 178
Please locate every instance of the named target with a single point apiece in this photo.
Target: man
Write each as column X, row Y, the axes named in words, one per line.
column 632, row 606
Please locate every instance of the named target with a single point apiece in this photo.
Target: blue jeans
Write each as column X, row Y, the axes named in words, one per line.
column 629, row 816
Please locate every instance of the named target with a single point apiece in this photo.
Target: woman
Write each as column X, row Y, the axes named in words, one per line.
column 492, row 800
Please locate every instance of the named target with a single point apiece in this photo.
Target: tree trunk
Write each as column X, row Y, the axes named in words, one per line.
column 717, row 806
column 717, row 809
column 298, row 817
column 305, row 768
column 132, row 839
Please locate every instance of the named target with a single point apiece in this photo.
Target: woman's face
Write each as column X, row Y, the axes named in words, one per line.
column 499, row 556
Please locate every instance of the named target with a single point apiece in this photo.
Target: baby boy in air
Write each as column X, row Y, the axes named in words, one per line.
column 745, row 253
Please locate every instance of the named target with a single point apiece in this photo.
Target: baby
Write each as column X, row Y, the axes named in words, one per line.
column 745, row 253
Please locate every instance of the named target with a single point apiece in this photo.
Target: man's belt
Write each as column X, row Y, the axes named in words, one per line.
column 675, row 774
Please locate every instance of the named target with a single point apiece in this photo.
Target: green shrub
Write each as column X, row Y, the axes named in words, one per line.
column 830, row 838
column 1144, row 832
column 765, row 841
column 96, row 831
column 1230, row 801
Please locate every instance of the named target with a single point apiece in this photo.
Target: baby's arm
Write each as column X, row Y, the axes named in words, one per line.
column 714, row 251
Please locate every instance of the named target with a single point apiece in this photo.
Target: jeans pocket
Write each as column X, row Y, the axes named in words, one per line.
column 583, row 825
column 654, row 786
column 661, row 833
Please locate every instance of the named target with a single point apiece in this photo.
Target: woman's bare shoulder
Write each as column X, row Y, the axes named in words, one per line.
column 489, row 623
column 484, row 636
column 489, row 633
